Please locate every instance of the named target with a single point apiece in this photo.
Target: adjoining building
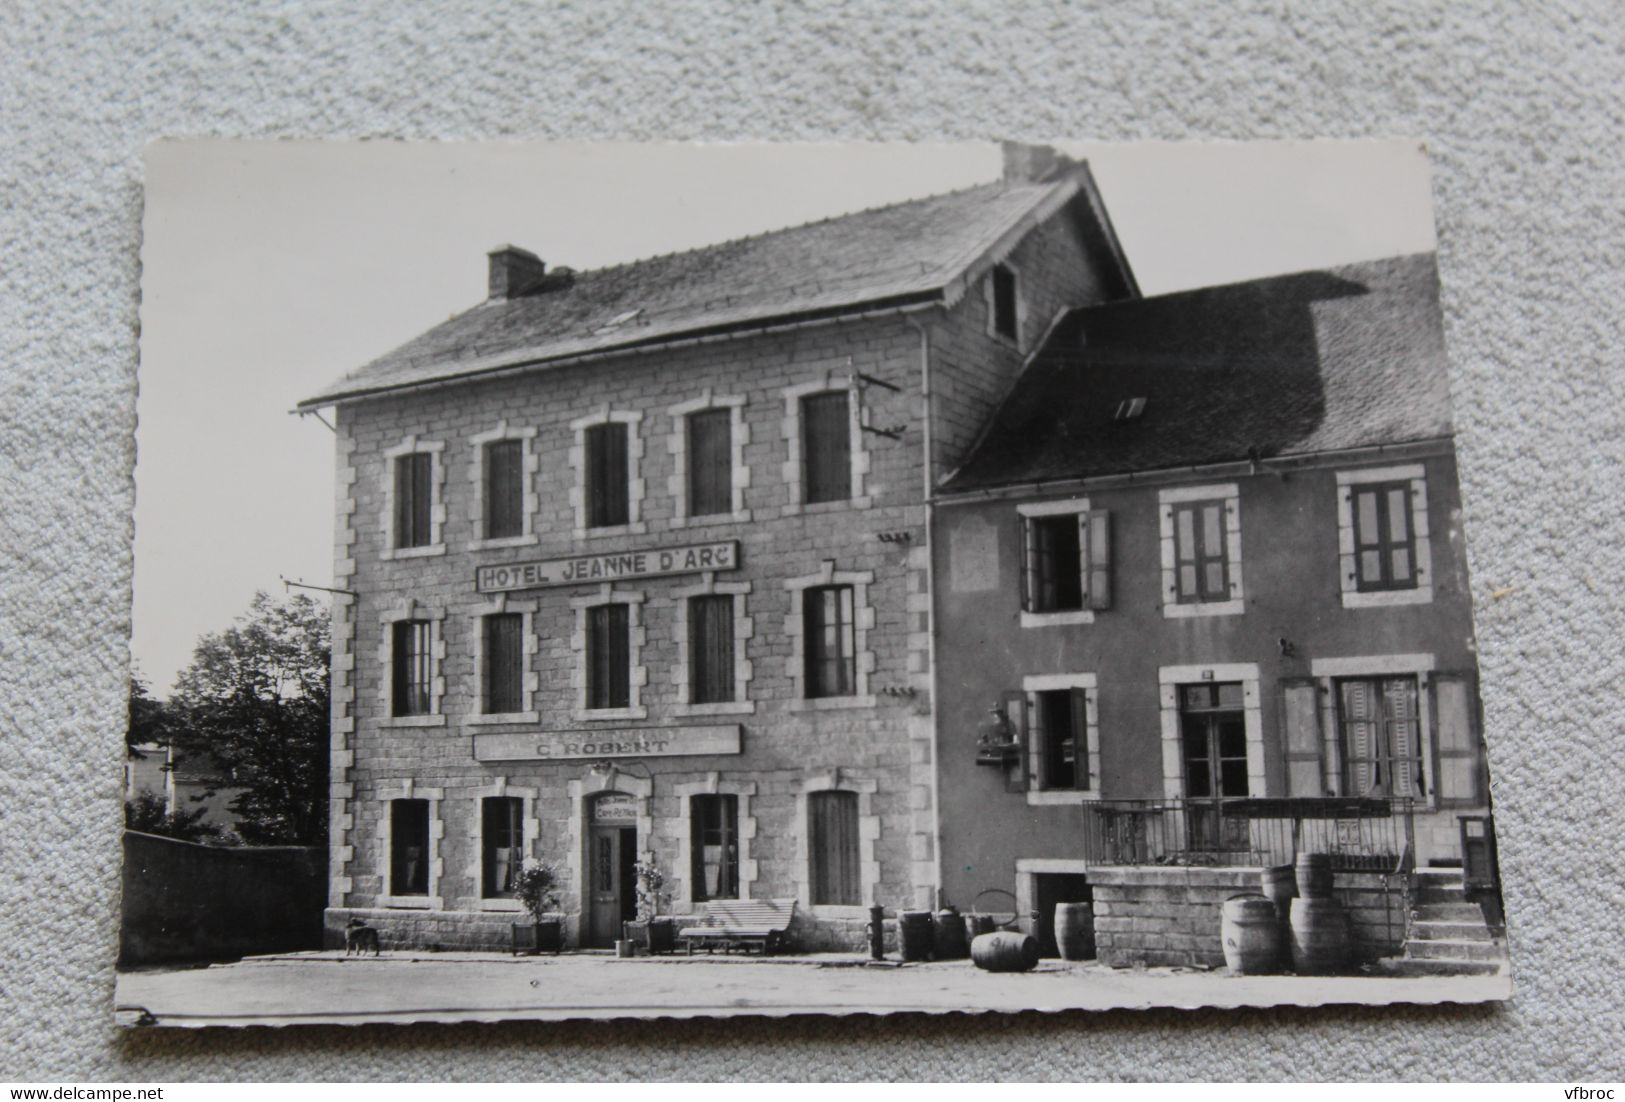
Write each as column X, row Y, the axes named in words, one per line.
column 641, row 568
column 1202, row 604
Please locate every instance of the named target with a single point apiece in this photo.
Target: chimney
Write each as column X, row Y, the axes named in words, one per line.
column 1030, row 164
column 514, row 272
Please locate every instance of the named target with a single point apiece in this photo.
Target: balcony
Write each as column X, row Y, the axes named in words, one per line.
column 1362, row 835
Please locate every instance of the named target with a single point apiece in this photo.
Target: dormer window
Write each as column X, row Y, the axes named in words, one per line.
column 1006, row 302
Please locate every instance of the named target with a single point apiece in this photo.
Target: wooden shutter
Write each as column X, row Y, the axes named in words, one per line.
column 1014, row 705
column 1029, row 565
column 826, row 441
column 1301, row 738
column 710, row 462
column 836, row 871
column 1097, row 555
column 711, row 649
column 504, row 489
column 609, row 657
column 1460, row 776
column 606, row 475
column 1080, row 738
column 412, row 499
column 504, row 663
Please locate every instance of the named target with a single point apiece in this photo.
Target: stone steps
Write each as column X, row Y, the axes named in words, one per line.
column 1422, row 966
column 1446, row 934
column 1452, row 949
column 1463, row 912
column 1428, row 930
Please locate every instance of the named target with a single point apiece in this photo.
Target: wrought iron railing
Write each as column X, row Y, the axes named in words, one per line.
column 1374, row 835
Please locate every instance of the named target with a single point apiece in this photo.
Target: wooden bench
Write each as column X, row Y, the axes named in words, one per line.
column 741, row 924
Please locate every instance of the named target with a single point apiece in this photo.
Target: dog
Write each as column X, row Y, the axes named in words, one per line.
column 359, row 937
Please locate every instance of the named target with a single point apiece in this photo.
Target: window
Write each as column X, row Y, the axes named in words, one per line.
column 831, row 646
column 1202, row 561
column 1061, row 719
column 409, row 847
column 414, row 494
column 504, row 658
column 1380, row 727
column 1213, row 744
column 711, row 649
column 504, row 489
column 710, row 462
column 826, row 435
column 1384, row 542
column 410, row 680
column 1005, row 308
column 715, row 847
column 836, row 871
column 1054, row 564
column 607, row 482
column 503, row 844
column 609, row 659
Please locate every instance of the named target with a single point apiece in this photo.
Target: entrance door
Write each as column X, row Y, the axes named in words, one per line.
column 1050, row 888
column 1213, row 734
column 613, row 896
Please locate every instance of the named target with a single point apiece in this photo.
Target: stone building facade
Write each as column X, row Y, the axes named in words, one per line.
column 640, row 569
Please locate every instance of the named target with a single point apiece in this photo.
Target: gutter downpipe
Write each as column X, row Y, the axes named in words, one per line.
column 926, row 399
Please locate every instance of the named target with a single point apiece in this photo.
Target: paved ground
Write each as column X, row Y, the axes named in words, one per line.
column 489, row 987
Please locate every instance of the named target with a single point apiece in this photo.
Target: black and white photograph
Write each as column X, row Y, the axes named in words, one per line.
column 699, row 580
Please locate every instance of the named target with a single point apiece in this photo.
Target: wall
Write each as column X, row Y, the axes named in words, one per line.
column 184, row 901
column 1290, row 563
column 1171, row 916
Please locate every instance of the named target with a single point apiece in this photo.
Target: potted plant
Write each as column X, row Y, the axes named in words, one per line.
column 536, row 886
column 656, row 932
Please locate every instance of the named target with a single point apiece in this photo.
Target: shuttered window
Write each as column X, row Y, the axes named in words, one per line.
column 711, row 649
column 1005, row 314
column 410, row 682
column 1061, row 721
column 1461, row 764
column 1380, row 728
column 831, row 644
column 414, row 493
column 504, row 489
column 409, row 847
column 715, row 846
column 836, row 871
column 609, row 657
column 710, row 462
column 1200, row 539
column 1385, row 541
column 607, row 477
column 826, row 439
column 504, row 664
column 1300, row 721
column 1067, row 562
column 503, row 841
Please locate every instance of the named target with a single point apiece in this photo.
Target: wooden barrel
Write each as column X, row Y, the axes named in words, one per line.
column 914, row 934
column 1320, row 937
column 1314, row 875
column 950, row 942
column 1251, row 933
column 1280, row 886
column 981, row 924
column 1005, row 951
column 1075, row 930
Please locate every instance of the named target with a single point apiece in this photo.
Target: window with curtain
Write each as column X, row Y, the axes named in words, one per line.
column 715, row 847
column 410, row 680
column 609, row 657
column 711, row 649
column 503, row 842
column 1380, row 725
column 409, row 847
column 710, row 462
column 826, row 443
column 607, row 479
column 504, row 664
column 836, row 872
column 831, row 644
column 504, row 489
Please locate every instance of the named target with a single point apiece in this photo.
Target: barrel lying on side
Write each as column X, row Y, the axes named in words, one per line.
column 1005, row 951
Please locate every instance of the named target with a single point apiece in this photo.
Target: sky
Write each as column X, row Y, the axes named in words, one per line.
column 272, row 268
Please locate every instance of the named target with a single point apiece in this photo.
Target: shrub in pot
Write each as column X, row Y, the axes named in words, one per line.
column 536, row 886
column 654, row 931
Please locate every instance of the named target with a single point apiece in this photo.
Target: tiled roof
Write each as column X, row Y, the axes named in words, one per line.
column 912, row 251
column 1310, row 362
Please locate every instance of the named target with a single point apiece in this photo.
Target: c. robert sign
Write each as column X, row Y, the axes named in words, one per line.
column 637, row 742
column 592, row 569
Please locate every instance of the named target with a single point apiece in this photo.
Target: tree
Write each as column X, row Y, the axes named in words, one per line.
column 148, row 814
column 151, row 722
column 255, row 700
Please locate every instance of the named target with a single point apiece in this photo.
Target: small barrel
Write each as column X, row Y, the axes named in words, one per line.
column 1075, row 930
column 1314, row 875
column 950, row 942
column 914, row 934
column 1280, row 886
column 1251, row 933
column 1005, row 951
column 1320, row 937
column 977, row 925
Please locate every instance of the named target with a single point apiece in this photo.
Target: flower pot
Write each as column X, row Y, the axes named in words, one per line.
column 531, row 938
column 655, row 936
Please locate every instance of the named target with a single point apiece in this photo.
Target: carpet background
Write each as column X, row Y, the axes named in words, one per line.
column 1519, row 105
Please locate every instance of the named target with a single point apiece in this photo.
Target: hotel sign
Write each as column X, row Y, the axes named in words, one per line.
column 634, row 742
column 592, row 569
